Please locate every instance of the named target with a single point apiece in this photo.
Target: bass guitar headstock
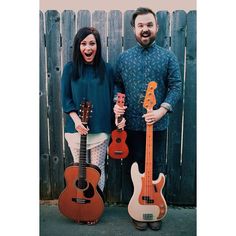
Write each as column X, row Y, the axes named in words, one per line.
column 150, row 99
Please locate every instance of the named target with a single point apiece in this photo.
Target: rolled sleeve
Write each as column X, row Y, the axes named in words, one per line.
column 174, row 91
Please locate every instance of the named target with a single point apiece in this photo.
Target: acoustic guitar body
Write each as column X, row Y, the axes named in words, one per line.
column 118, row 148
column 81, row 200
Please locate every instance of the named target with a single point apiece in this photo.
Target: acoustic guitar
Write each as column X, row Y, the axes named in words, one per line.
column 147, row 203
column 82, row 200
column 118, row 149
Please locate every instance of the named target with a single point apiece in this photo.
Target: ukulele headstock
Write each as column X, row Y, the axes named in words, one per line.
column 120, row 99
column 85, row 110
column 150, row 100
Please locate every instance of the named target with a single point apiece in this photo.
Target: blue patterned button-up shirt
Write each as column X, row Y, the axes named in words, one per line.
column 135, row 68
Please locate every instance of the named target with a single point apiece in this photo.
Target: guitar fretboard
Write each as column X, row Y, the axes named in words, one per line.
column 149, row 154
column 82, row 157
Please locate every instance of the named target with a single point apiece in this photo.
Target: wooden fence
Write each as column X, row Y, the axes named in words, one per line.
column 177, row 31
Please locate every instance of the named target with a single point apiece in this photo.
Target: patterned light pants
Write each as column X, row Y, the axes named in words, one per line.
column 97, row 157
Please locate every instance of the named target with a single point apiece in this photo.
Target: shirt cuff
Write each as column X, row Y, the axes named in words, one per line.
column 115, row 98
column 69, row 111
column 167, row 106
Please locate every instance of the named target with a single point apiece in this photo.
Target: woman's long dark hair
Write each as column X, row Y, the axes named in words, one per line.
column 78, row 60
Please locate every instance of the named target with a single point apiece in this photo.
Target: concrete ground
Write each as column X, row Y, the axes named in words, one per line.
column 115, row 221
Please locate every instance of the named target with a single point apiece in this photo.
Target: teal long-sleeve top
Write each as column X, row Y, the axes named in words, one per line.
column 88, row 87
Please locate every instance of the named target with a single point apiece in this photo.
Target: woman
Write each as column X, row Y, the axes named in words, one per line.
column 88, row 77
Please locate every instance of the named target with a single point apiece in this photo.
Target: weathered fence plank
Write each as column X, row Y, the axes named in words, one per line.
column 175, row 126
column 99, row 21
column 68, row 33
column 114, row 49
column 188, row 175
column 114, row 36
column 129, row 41
column 83, row 19
column 129, row 38
column 45, row 183
column 163, row 40
column 53, row 42
column 163, row 34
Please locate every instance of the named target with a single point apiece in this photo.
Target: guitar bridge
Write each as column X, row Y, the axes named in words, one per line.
column 118, row 152
column 148, row 216
column 80, row 200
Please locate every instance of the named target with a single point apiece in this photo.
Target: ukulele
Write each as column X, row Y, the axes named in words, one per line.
column 82, row 200
column 118, row 149
column 147, row 203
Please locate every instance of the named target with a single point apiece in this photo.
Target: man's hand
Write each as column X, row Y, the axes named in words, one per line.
column 119, row 110
column 152, row 116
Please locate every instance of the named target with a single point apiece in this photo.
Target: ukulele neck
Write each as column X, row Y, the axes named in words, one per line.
column 119, row 119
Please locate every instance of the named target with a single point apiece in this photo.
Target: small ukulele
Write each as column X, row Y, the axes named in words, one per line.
column 147, row 203
column 118, row 149
column 82, row 199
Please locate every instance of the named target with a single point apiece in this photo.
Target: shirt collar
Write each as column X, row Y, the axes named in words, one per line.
column 146, row 48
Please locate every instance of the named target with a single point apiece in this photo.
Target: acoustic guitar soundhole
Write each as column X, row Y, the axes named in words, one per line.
column 81, row 183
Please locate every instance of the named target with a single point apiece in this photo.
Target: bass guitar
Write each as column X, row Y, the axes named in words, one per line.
column 118, row 149
column 82, row 200
column 147, row 203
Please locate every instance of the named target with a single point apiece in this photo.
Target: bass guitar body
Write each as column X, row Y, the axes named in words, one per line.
column 81, row 200
column 147, row 206
column 118, row 148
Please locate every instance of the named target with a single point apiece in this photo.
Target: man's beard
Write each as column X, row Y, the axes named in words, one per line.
column 151, row 39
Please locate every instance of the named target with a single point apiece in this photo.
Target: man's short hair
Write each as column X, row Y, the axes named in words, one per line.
column 141, row 11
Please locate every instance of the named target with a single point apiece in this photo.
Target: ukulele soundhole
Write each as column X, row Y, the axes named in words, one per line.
column 81, row 184
column 118, row 140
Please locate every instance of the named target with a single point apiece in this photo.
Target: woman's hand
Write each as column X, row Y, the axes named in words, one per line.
column 121, row 124
column 81, row 128
column 152, row 116
column 78, row 124
column 119, row 111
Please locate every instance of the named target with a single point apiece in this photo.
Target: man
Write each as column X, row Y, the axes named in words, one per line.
column 135, row 68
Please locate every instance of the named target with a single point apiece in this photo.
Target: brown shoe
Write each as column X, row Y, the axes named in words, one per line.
column 156, row 225
column 140, row 225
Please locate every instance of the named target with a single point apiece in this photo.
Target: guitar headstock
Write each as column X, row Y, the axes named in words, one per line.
column 120, row 99
column 150, row 100
column 85, row 111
